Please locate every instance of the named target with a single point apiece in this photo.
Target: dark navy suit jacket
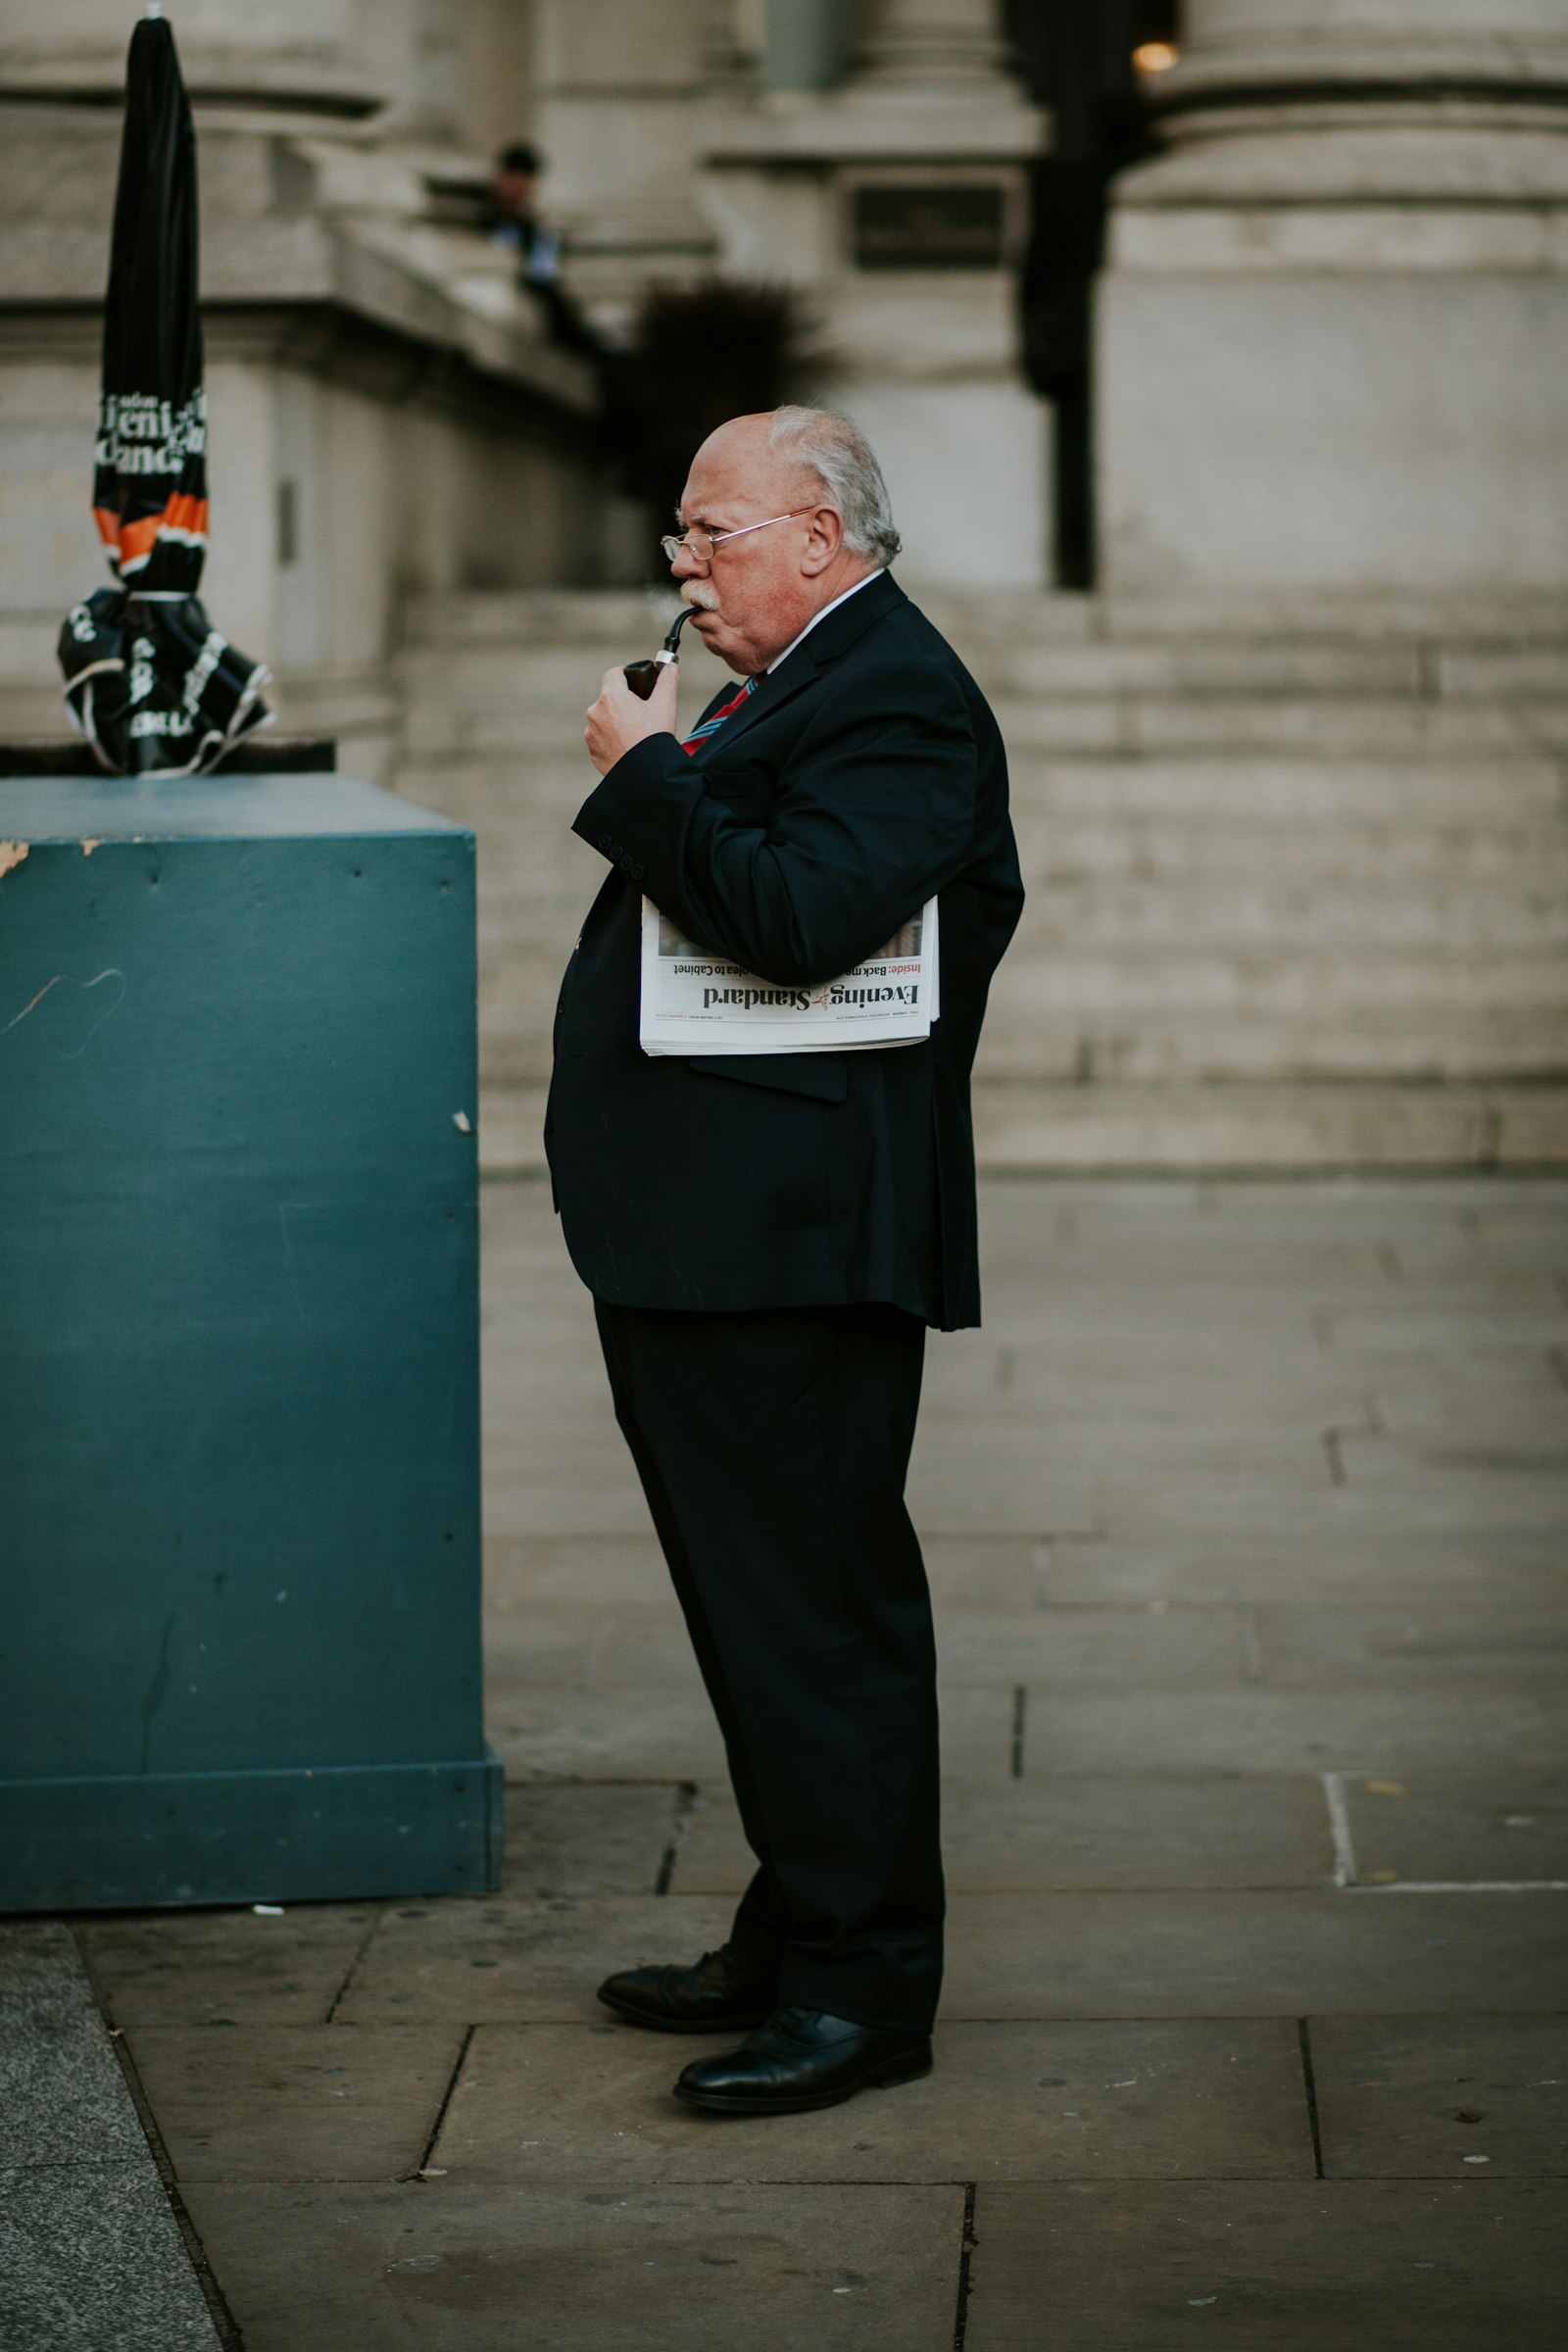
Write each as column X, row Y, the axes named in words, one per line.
column 864, row 774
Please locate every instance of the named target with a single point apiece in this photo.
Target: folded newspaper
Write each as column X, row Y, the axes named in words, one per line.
column 694, row 1002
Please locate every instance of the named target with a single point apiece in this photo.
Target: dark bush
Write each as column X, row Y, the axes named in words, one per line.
column 700, row 355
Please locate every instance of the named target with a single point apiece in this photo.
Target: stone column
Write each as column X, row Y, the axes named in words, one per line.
column 898, row 204
column 303, row 52
column 805, row 45
column 618, row 84
column 940, row 42
column 1334, row 316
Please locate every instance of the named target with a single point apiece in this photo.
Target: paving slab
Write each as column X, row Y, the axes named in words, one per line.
column 512, row 1959
column 91, row 2260
column 1408, row 2096
column 978, row 1479
column 1534, row 1316
column 1487, row 1484
column 1129, row 1509
column 1033, row 1836
column 295, row 2102
column 1506, row 1828
column 1259, row 1954
column 1015, row 1363
column 1157, row 2100
column 1484, row 1724
column 632, row 1733
column 1093, row 1649
column 588, row 1837
column 1291, row 1563
column 63, row 2096
column 1428, row 1647
column 573, row 1571
column 606, row 1734
column 573, row 2267
column 1324, row 2267
column 972, row 1576
column 1386, row 1498
column 166, row 1967
column 536, row 1647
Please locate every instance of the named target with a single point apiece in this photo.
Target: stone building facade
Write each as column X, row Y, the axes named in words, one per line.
column 389, row 411
column 1333, row 320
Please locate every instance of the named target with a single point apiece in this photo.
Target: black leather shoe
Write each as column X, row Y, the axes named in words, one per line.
column 713, row 1998
column 803, row 2058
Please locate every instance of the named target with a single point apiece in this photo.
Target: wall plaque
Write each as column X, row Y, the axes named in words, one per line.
column 934, row 225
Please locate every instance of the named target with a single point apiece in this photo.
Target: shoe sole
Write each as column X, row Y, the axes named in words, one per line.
column 734, row 2021
column 885, row 2078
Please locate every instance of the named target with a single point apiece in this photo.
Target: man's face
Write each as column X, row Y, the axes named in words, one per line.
column 513, row 194
column 760, row 591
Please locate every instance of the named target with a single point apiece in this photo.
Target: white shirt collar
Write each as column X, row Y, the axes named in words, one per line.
column 822, row 615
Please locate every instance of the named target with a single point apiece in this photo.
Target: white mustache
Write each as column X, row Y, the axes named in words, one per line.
column 700, row 595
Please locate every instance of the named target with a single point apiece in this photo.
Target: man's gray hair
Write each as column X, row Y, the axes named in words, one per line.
column 840, row 456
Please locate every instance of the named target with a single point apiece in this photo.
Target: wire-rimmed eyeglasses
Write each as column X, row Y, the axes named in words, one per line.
column 701, row 544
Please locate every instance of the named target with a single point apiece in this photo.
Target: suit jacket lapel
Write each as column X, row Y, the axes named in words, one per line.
column 777, row 687
column 829, row 639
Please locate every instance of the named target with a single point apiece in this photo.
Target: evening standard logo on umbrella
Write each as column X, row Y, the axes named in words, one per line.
column 694, row 1001
column 138, row 433
column 151, row 684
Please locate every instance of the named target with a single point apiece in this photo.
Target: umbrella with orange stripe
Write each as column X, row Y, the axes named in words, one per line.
column 150, row 682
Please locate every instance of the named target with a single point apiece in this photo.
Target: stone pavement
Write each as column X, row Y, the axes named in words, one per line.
column 1247, row 1519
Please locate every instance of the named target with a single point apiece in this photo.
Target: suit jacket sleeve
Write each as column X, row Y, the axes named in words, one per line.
column 874, row 813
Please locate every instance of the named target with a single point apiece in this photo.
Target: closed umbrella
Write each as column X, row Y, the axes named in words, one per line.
column 150, row 682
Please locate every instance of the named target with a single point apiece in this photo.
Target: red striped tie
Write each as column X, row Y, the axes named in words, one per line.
column 709, row 725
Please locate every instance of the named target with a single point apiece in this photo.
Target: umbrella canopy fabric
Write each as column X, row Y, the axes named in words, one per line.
column 150, row 485
column 151, row 684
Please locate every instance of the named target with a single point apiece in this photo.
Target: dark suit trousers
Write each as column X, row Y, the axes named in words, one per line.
column 772, row 1448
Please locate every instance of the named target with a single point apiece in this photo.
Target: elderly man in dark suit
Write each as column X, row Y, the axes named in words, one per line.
column 767, row 1237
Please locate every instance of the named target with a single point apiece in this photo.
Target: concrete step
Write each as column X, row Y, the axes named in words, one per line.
column 1047, row 1128
column 1326, row 985
column 1247, row 912
column 542, row 702
column 1209, row 1049
column 1254, row 789
column 1365, row 727
column 1398, row 795
column 487, row 665
column 1050, row 1129
column 1143, row 1045
column 1014, row 616
column 1244, row 913
column 1010, row 617
column 1206, row 669
column 1063, row 849
column 1297, row 876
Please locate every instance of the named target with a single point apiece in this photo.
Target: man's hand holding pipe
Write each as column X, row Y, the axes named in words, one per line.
column 619, row 718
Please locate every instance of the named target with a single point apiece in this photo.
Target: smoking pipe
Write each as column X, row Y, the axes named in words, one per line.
column 642, row 676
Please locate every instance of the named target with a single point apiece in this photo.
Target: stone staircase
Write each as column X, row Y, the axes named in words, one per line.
column 1297, row 877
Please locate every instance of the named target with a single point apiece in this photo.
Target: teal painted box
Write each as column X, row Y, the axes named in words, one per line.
column 239, row 1412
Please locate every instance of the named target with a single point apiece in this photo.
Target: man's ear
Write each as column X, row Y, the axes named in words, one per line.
column 822, row 541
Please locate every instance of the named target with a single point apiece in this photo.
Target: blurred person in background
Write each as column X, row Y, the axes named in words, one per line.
column 511, row 220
